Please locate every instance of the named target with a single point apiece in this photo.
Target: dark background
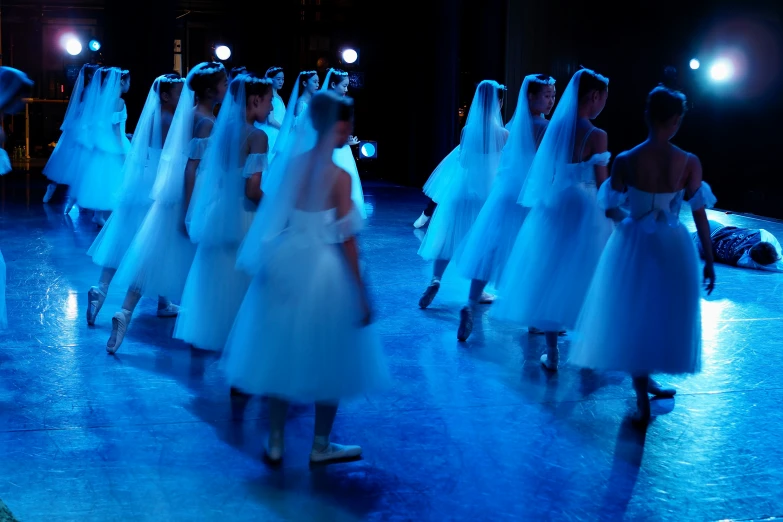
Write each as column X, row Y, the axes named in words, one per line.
column 421, row 62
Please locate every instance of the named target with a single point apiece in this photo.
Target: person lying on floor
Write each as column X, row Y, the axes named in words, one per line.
column 753, row 248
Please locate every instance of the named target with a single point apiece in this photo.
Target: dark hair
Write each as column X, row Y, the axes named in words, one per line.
column 764, row 253
column 305, row 76
column 207, row 78
column 236, row 71
column 536, row 86
column 254, row 85
column 592, row 81
column 273, row 71
column 168, row 82
column 663, row 103
column 337, row 73
column 325, row 105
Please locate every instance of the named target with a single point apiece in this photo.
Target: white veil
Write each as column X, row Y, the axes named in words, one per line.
column 212, row 212
column 75, row 103
column 301, row 177
column 85, row 120
column 518, row 154
column 169, row 184
column 288, row 120
column 557, row 147
column 328, row 79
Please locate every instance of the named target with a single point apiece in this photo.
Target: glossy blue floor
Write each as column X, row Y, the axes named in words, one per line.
column 471, row 431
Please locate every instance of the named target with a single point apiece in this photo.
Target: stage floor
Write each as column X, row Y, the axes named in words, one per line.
column 471, row 431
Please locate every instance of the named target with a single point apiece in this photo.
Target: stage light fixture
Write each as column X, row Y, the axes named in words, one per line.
column 368, row 149
column 94, row 45
column 71, row 44
column 222, row 52
column 349, row 56
column 695, row 64
column 722, row 70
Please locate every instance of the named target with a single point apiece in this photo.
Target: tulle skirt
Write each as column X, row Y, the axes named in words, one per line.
column 3, row 312
column 553, row 261
column 485, row 251
column 343, row 158
column 449, row 225
column 101, row 179
column 62, row 166
column 213, row 293
column 5, row 162
column 298, row 334
column 159, row 257
column 642, row 312
column 115, row 237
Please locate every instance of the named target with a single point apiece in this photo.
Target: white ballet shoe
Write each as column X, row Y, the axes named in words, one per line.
column 654, row 388
column 334, row 452
column 551, row 360
column 486, row 298
column 119, row 325
column 429, row 294
column 274, row 448
column 422, row 221
column 465, row 323
column 49, row 192
column 171, row 310
column 95, row 299
column 69, row 203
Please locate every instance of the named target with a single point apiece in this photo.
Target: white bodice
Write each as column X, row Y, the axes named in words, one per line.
column 324, row 226
column 278, row 108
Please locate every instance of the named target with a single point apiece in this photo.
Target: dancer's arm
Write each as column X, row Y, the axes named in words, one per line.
column 619, row 184
column 702, row 223
column 599, row 143
column 259, row 144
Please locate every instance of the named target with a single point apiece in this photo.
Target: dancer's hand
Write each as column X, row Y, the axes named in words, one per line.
column 709, row 277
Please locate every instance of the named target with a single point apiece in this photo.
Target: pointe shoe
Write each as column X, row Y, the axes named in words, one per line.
column 119, row 325
column 69, row 203
column 551, row 360
column 422, row 221
column 465, row 323
column 95, row 299
column 486, row 298
column 49, row 192
column 335, row 452
column 171, row 310
column 429, row 294
column 654, row 388
column 274, row 448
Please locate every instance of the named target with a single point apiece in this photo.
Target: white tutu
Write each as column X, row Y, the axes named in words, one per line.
column 102, row 173
column 642, row 312
column 343, row 158
column 485, row 251
column 213, row 293
column 158, row 259
column 556, row 254
column 298, row 333
column 5, row 162
column 3, row 312
column 62, row 165
column 134, row 202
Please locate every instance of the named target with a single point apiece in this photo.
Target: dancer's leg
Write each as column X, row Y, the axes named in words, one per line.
column 641, row 383
column 551, row 358
column 278, row 410
column 97, row 294
column 438, row 269
column 166, row 308
column 323, row 449
column 120, row 321
column 466, row 314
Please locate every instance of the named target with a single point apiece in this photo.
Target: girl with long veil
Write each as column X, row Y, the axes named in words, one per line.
column 14, row 85
column 307, row 83
column 558, row 247
column 59, row 168
column 133, row 199
column 318, row 346
column 462, row 182
column 337, row 81
column 101, row 178
column 274, row 121
column 221, row 211
column 159, row 257
column 642, row 312
column 483, row 254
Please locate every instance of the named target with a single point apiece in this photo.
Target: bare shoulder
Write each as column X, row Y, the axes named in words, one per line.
column 258, row 140
column 120, row 105
column 202, row 126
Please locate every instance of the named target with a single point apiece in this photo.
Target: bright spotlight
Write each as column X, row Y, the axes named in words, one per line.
column 94, row 45
column 695, row 64
column 350, row 56
column 368, row 149
column 222, row 52
column 73, row 46
column 721, row 70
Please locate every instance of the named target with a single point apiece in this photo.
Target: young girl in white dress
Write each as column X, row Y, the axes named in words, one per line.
column 338, row 81
column 139, row 172
column 274, row 122
column 14, row 85
column 642, row 312
column 483, row 254
column 159, row 257
column 461, row 183
column 317, row 345
column 221, row 211
column 59, row 168
column 101, row 179
column 307, row 83
column 561, row 240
